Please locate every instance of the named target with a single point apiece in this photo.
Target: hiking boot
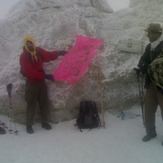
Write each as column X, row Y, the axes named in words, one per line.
column 149, row 137
column 29, row 129
column 46, row 126
column 2, row 131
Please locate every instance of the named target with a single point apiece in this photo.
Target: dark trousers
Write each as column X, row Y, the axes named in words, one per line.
column 36, row 92
column 153, row 99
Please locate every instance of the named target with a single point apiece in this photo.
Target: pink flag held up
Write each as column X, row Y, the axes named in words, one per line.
column 76, row 61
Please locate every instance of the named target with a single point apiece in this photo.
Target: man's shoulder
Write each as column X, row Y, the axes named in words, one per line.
column 161, row 42
column 23, row 55
column 40, row 50
column 160, row 45
column 148, row 46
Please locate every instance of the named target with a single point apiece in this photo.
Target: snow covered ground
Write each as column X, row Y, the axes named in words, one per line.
column 119, row 142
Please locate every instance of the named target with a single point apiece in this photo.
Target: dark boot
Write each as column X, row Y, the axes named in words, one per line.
column 29, row 129
column 149, row 137
column 46, row 126
column 2, row 131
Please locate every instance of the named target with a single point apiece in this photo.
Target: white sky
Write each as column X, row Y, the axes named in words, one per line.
column 118, row 4
column 5, row 5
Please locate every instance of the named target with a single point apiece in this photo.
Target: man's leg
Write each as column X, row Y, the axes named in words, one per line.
column 151, row 104
column 160, row 101
column 31, row 95
column 44, row 106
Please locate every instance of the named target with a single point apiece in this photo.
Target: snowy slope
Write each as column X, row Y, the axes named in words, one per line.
column 119, row 142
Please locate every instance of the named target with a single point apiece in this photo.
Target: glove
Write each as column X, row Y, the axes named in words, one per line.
column 138, row 70
column 62, row 53
column 49, row 77
column 141, row 70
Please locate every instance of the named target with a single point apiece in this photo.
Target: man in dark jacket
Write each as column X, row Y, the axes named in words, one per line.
column 31, row 63
column 153, row 96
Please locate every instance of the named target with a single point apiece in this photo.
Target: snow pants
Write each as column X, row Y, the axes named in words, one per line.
column 36, row 93
column 153, row 99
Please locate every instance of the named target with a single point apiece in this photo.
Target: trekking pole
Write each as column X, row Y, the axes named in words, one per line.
column 99, row 78
column 140, row 79
column 11, row 112
column 97, row 75
column 141, row 94
column 102, row 104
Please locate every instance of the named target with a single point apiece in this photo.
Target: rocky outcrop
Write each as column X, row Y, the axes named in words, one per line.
column 54, row 25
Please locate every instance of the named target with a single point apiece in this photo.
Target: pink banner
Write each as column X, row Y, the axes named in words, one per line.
column 76, row 61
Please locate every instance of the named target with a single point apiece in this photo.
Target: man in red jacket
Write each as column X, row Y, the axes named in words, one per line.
column 31, row 63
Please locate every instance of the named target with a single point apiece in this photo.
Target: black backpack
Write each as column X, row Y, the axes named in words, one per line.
column 88, row 115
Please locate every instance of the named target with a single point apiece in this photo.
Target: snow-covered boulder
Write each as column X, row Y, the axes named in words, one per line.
column 102, row 5
column 54, row 25
column 134, row 3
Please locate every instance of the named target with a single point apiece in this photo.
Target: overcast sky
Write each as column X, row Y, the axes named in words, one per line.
column 5, row 5
column 118, row 4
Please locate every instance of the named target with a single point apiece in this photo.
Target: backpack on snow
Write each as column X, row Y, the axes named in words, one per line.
column 88, row 115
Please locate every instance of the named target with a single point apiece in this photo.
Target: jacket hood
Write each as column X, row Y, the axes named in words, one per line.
column 32, row 40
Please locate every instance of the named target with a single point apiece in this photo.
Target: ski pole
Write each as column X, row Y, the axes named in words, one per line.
column 140, row 80
column 102, row 104
column 11, row 112
column 101, row 95
column 141, row 94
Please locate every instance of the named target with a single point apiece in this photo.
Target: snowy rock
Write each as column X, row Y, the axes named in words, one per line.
column 102, row 5
column 134, row 3
column 54, row 24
